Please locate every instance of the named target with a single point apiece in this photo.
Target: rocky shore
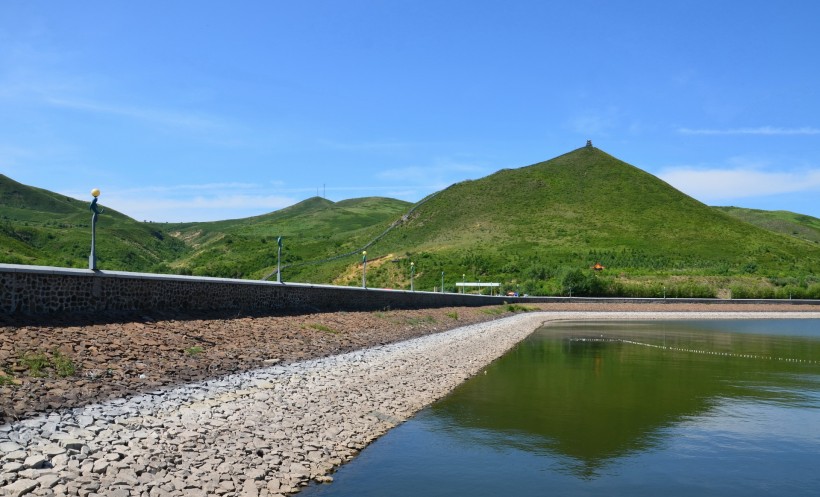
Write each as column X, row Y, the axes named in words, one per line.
column 267, row 431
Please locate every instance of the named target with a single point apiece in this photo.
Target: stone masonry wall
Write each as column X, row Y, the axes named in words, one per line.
column 46, row 290
column 36, row 290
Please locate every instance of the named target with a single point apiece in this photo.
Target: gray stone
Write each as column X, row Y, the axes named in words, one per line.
column 13, row 467
column 19, row 488
column 72, row 444
column 51, row 451
column 8, row 447
column 100, row 466
column 255, row 474
column 36, row 462
column 84, row 421
column 249, row 489
column 48, row 481
column 18, row 455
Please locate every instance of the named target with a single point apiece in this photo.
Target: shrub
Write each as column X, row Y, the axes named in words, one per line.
column 35, row 362
column 64, row 366
column 194, row 351
column 321, row 327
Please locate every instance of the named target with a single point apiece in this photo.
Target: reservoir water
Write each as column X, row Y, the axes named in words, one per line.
column 671, row 408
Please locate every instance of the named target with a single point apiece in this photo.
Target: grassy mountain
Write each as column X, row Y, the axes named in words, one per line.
column 45, row 228
column 785, row 222
column 540, row 228
column 313, row 229
column 40, row 227
column 537, row 229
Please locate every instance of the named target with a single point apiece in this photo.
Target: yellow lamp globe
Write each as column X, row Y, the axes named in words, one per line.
column 95, row 192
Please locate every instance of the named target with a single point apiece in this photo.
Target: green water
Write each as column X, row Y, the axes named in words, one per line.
column 617, row 408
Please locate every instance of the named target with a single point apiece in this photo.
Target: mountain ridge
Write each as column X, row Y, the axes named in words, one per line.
column 537, row 228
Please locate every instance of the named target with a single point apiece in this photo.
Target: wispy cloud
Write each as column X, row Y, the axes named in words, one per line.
column 439, row 175
column 369, row 146
column 722, row 184
column 593, row 123
column 192, row 202
column 358, row 188
column 219, row 201
column 156, row 116
column 204, row 187
column 195, row 208
column 10, row 154
column 762, row 130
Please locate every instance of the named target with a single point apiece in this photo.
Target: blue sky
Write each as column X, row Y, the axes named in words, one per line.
column 189, row 111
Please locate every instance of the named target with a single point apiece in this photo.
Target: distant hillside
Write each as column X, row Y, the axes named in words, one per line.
column 541, row 227
column 785, row 222
column 40, row 227
column 312, row 230
column 537, row 229
column 45, row 228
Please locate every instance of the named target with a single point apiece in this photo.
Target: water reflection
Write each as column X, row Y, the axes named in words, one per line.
column 636, row 408
column 595, row 392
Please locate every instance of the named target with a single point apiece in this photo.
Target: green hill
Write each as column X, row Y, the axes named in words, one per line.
column 40, row 227
column 785, row 222
column 312, row 230
column 540, row 228
column 45, row 228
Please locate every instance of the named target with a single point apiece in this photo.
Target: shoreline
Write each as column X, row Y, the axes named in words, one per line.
column 266, row 432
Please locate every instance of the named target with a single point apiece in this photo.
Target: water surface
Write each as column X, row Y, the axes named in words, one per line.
column 617, row 408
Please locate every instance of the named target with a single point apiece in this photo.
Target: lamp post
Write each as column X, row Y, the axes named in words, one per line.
column 463, row 280
column 412, row 275
column 364, row 268
column 92, row 259
column 442, row 282
column 279, row 260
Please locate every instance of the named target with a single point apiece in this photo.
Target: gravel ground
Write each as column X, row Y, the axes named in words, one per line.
column 269, row 431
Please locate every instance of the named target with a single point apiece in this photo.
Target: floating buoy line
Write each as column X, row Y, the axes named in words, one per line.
column 696, row 351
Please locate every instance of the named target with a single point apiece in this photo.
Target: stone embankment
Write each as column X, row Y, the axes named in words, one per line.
column 260, row 433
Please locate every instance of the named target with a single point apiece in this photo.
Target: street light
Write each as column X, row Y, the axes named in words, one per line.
column 463, row 280
column 412, row 275
column 364, row 268
column 279, row 260
column 92, row 259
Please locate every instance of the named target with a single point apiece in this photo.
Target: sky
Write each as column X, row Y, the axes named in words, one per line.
column 209, row 110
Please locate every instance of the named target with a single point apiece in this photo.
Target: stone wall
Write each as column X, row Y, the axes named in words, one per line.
column 36, row 290
column 46, row 290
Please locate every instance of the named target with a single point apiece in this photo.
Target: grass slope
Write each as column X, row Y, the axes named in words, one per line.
column 45, row 228
column 785, row 222
column 540, row 228
column 536, row 229
column 313, row 229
